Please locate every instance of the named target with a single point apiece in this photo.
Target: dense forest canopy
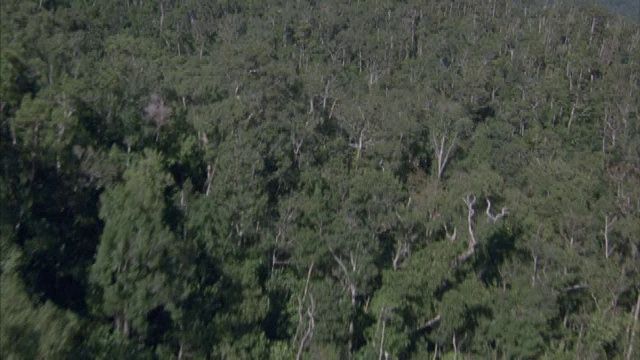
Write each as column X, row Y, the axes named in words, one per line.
column 319, row 180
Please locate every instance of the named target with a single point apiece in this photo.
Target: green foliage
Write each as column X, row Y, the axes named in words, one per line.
column 30, row 329
column 318, row 180
column 136, row 249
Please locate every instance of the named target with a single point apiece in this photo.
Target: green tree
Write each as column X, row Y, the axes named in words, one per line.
column 135, row 256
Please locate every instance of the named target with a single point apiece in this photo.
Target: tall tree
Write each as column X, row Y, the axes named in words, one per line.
column 132, row 267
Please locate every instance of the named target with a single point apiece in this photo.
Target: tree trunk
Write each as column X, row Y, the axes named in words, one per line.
column 633, row 329
column 607, row 227
column 442, row 153
column 470, row 201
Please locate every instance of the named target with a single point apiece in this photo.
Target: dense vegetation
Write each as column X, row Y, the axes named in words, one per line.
column 318, row 180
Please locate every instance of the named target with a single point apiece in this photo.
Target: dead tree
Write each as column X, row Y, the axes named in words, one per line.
column 496, row 217
column 470, row 201
column 442, row 147
column 157, row 112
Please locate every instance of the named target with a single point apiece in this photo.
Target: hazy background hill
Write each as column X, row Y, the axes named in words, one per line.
column 628, row 8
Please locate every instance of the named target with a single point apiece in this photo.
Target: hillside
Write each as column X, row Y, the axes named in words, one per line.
column 319, row 180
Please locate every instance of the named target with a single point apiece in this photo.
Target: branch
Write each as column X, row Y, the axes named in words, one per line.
column 453, row 144
column 439, row 149
column 429, row 324
column 470, row 201
column 607, row 227
column 211, row 173
column 384, row 325
column 497, row 217
column 362, row 145
column 326, row 94
column 352, row 260
column 401, row 251
column 633, row 330
column 332, row 106
column 576, row 287
column 306, row 285
column 341, row 264
column 302, row 299
column 311, row 326
column 452, row 236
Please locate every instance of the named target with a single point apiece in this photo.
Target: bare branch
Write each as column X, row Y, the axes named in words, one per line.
column 384, row 325
column 576, row 287
column 452, row 236
column 496, row 217
column 430, row 324
column 442, row 155
column 607, row 228
column 332, row 106
column 301, row 301
column 633, row 331
column 306, row 285
column 157, row 111
column 401, row 252
column 470, row 201
column 211, row 173
column 310, row 327
column 352, row 260
column 350, row 284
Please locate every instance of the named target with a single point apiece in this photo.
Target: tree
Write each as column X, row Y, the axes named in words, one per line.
column 362, row 179
column 447, row 124
column 29, row 328
column 132, row 268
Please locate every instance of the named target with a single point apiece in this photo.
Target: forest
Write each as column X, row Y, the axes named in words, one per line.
column 363, row 179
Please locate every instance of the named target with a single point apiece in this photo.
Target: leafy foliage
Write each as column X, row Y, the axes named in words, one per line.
column 318, row 180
